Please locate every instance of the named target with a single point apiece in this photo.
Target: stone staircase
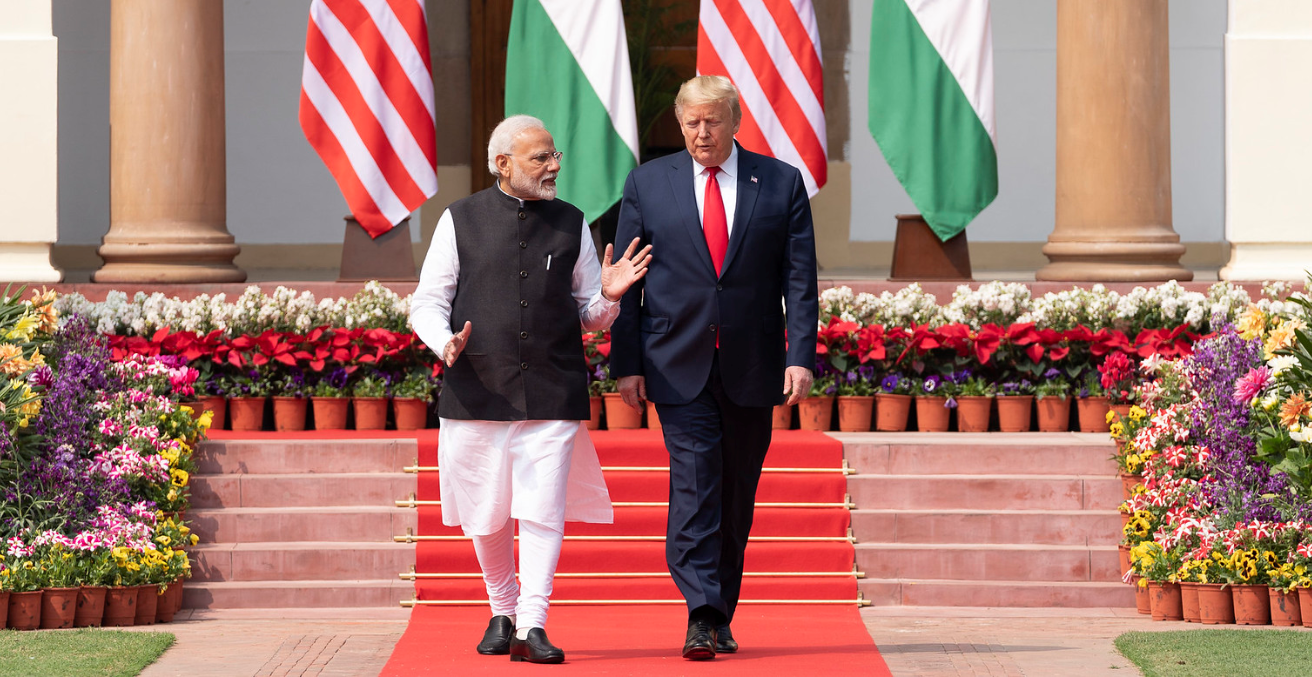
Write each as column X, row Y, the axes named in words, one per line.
column 300, row 523
column 989, row 519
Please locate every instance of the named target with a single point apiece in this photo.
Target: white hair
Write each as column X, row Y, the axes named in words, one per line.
column 503, row 137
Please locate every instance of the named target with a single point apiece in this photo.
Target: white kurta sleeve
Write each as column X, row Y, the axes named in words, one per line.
column 430, row 307
column 595, row 312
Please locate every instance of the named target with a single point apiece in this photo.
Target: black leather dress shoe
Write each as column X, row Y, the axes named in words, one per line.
column 700, row 642
column 496, row 640
column 536, row 649
column 724, row 641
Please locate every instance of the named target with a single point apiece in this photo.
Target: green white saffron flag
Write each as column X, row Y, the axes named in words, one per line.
column 567, row 63
column 931, row 105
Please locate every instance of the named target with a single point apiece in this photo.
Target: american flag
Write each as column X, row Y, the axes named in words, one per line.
column 367, row 105
column 771, row 51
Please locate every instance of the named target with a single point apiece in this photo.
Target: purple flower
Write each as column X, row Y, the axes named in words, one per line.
column 959, row 376
column 951, row 403
column 42, row 376
column 1051, row 374
column 890, row 382
column 1010, row 387
column 866, row 372
column 850, row 377
column 931, row 383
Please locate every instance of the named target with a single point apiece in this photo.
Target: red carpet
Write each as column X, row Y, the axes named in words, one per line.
column 645, row 640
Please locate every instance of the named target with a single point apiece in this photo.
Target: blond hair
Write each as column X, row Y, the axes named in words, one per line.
column 708, row 89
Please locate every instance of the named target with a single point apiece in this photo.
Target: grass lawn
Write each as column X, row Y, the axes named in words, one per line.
column 80, row 653
column 1238, row 653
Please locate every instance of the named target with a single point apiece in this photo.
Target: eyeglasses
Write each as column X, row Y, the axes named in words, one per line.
column 543, row 158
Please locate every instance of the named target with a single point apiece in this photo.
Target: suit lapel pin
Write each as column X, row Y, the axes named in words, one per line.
column 754, row 180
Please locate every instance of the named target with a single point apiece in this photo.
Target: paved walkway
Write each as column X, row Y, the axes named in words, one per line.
column 914, row 641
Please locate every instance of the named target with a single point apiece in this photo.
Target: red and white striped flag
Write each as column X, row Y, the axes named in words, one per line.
column 771, row 51
column 367, row 105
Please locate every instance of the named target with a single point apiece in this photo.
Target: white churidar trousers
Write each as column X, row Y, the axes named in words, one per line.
column 539, row 549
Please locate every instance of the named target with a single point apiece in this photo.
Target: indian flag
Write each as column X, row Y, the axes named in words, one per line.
column 567, row 63
column 931, row 105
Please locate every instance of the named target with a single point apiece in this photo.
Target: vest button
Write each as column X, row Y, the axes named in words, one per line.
column 712, row 327
column 523, row 245
column 523, row 304
column 523, row 365
column 523, row 273
column 522, row 216
column 523, row 334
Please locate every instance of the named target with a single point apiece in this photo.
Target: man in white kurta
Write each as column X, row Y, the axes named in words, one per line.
column 511, row 445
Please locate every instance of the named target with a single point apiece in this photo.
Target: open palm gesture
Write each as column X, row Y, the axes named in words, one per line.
column 617, row 277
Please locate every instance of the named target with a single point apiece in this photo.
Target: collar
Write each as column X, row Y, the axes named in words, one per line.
column 729, row 167
column 503, row 192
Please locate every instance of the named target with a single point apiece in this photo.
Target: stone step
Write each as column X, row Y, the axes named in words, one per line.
column 381, row 592
column 275, row 456
column 1046, row 527
column 978, row 562
column 928, row 592
column 299, row 490
column 300, row 561
column 316, row 523
column 979, row 453
column 996, row 492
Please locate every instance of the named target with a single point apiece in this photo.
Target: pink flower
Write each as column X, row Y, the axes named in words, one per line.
column 1250, row 385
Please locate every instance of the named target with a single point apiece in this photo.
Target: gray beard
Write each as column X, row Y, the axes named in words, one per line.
column 523, row 185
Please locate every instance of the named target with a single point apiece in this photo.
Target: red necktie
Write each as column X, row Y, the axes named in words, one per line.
column 714, row 224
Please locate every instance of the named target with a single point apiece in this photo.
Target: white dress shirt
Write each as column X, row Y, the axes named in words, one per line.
column 728, row 180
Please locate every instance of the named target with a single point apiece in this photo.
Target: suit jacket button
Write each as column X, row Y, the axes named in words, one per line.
column 712, row 327
column 523, row 273
column 523, row 304
column 523, row 365
column 719, row 287
column 523, row 334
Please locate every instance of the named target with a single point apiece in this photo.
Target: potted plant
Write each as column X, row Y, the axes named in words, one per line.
column 1052, row 401
column 933, row 403
column 856, row 399
column 1092, row 404
column 369, row 398
column 893, row 402
column 411, row 397
column 23, row 580
column 247, row 390
column 1118, row 376
column 816, row 412
column 59, row 595
column 619, row 416
column 974, row 403
column 290, row 397
column 96, row 569
column 1129, row 461
column 329, row 396
column 596, row 351
column 1160, row 568
column 1015, row 398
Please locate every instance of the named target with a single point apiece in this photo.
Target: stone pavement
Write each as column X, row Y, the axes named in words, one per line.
column 915, row 641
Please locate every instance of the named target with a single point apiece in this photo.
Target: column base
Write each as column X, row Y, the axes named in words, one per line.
column 1259, row 262
column 27, row 262
column 1118, row 261
column 169, row 262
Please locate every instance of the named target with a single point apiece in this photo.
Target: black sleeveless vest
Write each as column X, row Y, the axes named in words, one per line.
column 524, row 359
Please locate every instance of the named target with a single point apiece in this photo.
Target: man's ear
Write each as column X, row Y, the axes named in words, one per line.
column 503, row 165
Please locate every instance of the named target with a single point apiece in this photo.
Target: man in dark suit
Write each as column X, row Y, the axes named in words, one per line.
column 703, row 337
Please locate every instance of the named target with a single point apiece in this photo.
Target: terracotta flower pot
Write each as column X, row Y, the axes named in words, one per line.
column 1014, row 413
column 120, row 606
column 4, row 609
column 1054, row 414
column 411, row 413
column 932, row 414
column 1189, row 602
column 783, row 417
column 1128, row 483
column 816, row 413
column 973, row 413
column 1215, row 606
column 855, row 413
column 25, row 610
column 289, row 413
column 594, row 412
column 194, row 406
column 620, row 416
column 247, row 413
column 58, row 606
column 330, row 412
column 219, row 405
column 1142, row 600
column 1123, row 555
column 1252, row 605
column 653, row 418
column 90, row 606
column 1122, row 411
column 147, row 603
column 891, row 412
column 1305, row 606
column 1093, row 414
column 370, row 412
column 1164, row 601
column 1285, row 609
column 169, row 602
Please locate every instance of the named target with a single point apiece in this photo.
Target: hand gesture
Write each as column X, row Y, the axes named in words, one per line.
column 456, row 345
column 633, row 390
column 797, row 384
column 617, row 277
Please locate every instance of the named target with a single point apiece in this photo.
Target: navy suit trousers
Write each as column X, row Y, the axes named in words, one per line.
column 716, row 450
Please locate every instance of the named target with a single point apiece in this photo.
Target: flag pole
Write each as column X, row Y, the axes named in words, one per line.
column 918, row 254
column 386, row 258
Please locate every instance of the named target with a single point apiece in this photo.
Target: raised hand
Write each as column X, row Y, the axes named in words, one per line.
column 617, row 277
column 456, row 345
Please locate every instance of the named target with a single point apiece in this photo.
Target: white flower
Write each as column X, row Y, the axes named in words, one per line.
column 1300, row 435
column 1281, row 363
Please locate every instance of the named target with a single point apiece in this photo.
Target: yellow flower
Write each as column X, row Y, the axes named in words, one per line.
column 1251, row 323
column 11, row 361
column 24, row 328
column 1137, row 413
column 205, row 420
column 163, row 540
column 1117, row 429
column 185, row 409
column 195, row 539
column 1282, row 337
column 179, row 477
column 1111, row 416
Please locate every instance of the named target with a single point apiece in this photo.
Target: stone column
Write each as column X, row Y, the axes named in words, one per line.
column 28, row 125
column 1268, row 139
column 1113, row 216
column 168, row 187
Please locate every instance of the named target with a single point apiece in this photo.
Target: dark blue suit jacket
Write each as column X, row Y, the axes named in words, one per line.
column 667, row 327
